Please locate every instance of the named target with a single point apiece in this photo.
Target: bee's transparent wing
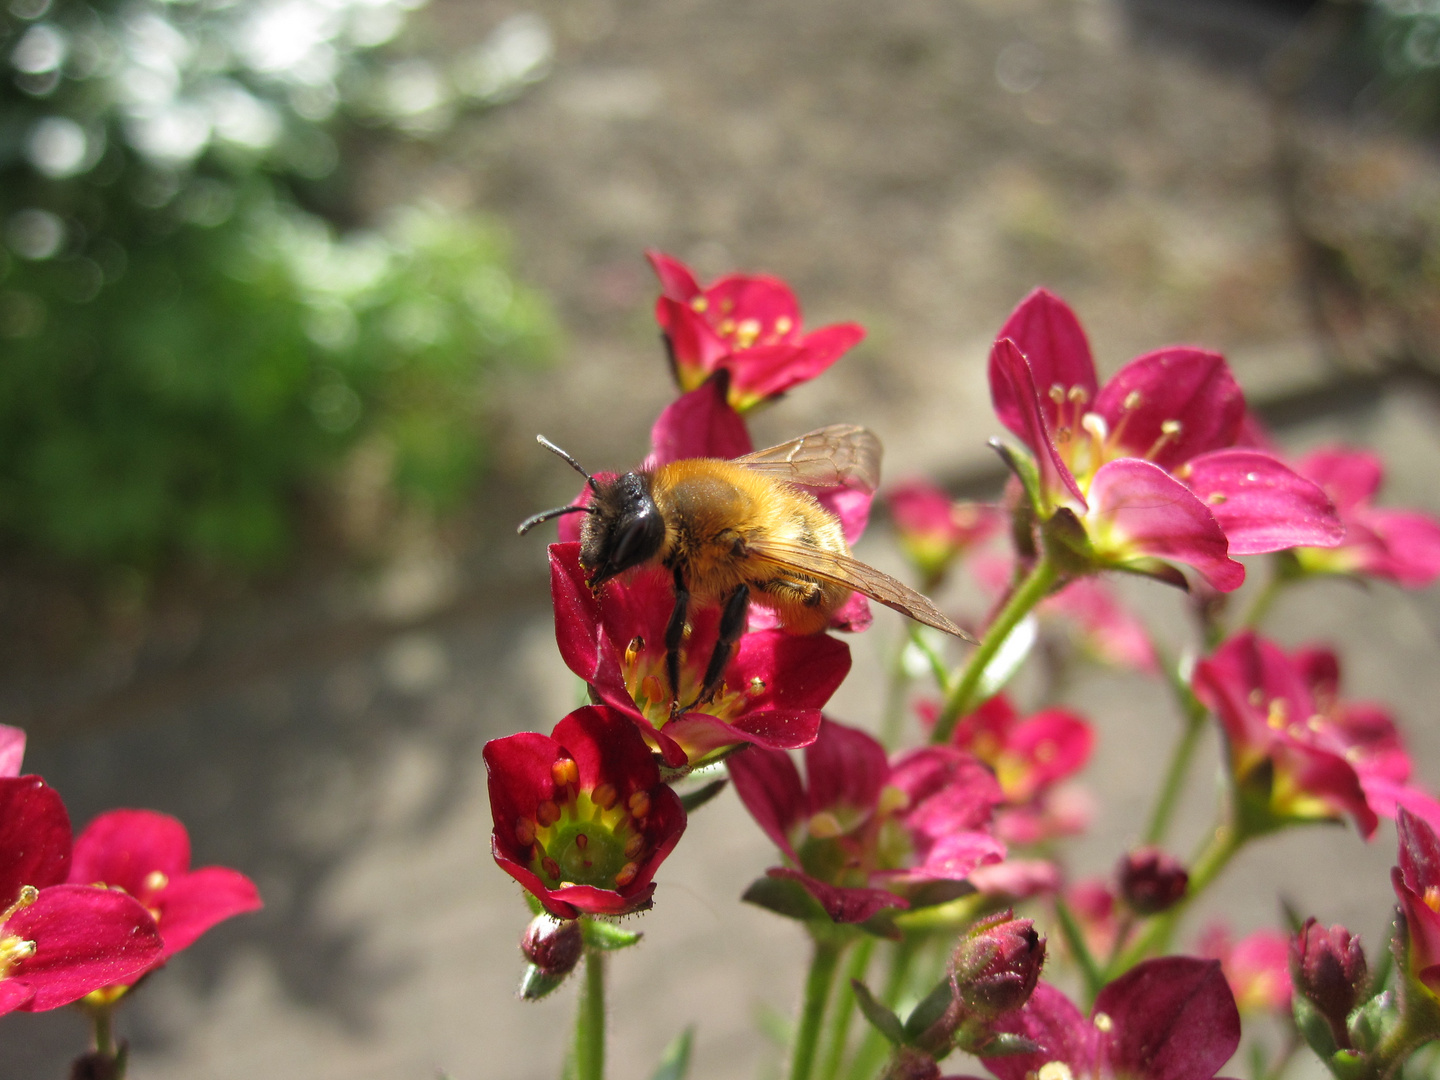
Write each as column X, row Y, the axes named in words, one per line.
column 853, row 574
column 841, row 455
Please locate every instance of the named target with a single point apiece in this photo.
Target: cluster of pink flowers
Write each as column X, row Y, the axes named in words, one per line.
column 84, row 919
column 1160, row 471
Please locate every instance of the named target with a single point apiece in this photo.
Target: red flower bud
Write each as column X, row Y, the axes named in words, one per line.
column 1151, row 881
column 553, row 945
column 1328, row 967
column 996, row 965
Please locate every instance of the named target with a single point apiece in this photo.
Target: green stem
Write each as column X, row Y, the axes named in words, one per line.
column 845, row 1010
column 590, row 1020
column 1180, row 759
column 962, row 698
column 1224, row 842
column 1075, row 940
column 1262, row 603
column 874, row 1047
column 100, row 1016
column 812, row 1009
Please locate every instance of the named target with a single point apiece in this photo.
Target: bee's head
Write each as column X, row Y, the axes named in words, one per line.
column 623, row 528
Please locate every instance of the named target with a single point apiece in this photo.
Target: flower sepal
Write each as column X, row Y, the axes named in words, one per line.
column 798, row 896
column 604, row 936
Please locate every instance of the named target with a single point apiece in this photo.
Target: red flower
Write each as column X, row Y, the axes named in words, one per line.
column 147, row 855
column 1402, row 546
column 1167, row 1019
column 1146, row 462
column 746, row 325
column 581, row 817
column 861, row 828
column 58, row 942
column 1257, row 967
column 933, row 529
column 1298, row 750
column 774, row 685
column 1029, row 758
column 12, row 750
column 1417, row 886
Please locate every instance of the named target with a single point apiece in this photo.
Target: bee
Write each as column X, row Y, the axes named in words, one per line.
column 742, row 531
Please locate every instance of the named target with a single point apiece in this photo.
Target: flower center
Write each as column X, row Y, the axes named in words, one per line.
column 591, row 837
column 14, row 949
column 643, row 670
column 1085, row 440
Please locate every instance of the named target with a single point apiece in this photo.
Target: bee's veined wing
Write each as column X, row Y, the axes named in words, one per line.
column 841, row 455
column 853, row 574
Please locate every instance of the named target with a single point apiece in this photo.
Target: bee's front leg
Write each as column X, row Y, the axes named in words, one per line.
column 732, row 625
column 674, row 636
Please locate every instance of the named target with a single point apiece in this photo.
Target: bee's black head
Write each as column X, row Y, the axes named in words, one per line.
column 623, row 529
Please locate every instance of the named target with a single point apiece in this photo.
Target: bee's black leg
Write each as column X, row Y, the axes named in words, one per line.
column 732, row 625
column 674, row 635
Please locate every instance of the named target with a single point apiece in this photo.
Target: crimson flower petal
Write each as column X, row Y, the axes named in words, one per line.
column 699, row 424
column 1138, row 509
column 1171, row 1019
column 34, row 836
column 1047, row 333
column 676, row 280
column 85, row 938
column 1262, row 504
column 14, row 995
column 768, row 784
column 1350, row 477
column 1406, row 548
column 12, row 750
column 1191, row 390
column 1012, row 389
column 1051, row 1021
column 844, row 905
column 207, row 897
column 845, row 767
column 123, row 847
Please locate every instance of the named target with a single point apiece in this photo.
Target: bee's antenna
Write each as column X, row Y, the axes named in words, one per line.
column 559, row 511
column 543, row 441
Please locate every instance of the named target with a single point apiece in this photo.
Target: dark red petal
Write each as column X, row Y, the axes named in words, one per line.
column 1054, row 743
column 676, row 280
column 698, row 424
column 34, row 836
column 1052, row 1022
column 1017, row 403
column 520, row 779
column 13, row 995
column 695, row 347
column 766, row 299
column 12, row 750
column 1419, row 853
column 842, row 905
column 947, row 790
column 1138, row 509
column 561, row 909
column 1190, row 386
column 768, row 784
column 1349, row 476
column 124, row 847
column 195, row 902
column 588, row 900
column 793, row 671
column 844, row 766
column 765, row 371
column 577, row 612
column 663, row 827
column 608, row 749
column 85, row 938
column 1262, row 505
column 1172, row 1019
column 1049, row 335
column 775, row 729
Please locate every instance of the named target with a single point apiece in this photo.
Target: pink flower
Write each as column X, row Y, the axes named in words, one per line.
column 1417, row 886
column 1297, row 751
column 774, row 686
column 581, row 817
column 1257, row 967
column 860, row 830
column 1167, row 1019
column 933, row 529
column 1029, row 758
column 12, row 750
column 1147, row 462
column 1104, row 628
column 746, row 325
column 1402, row 546
column 58, row 942
column 147, row 855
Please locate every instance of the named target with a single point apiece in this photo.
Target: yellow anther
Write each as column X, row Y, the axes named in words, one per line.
column 699, row 304
column 565, row 772
column 633, row 650
column 1215, row 498
column 605, row 796
column 756, row 687
column 1078, row 395
column 1054, row 1070
column 627, row 874
column 784, row 324
column 747, row 332
column 1170, row 427
column 726, row 327
column 639, row 804
column 651, row 689
column 1432, row 897
column 1103, row 1022
column 524, row 832
column 892, row 800
column 1132, row 400
column 1278, row 714
column 1057, row 393
column 634, row 845
column 28, row 895
column 155, row 881
column 1095, row 426
column 824, row 826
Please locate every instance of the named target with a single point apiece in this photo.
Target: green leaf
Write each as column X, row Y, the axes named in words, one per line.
column 930, row 1009
column 675, row 1065
column 881, row 1018
column 785, row 897
column 882, row 924
column 535, row 984
column 693, row 800
column 606, row 936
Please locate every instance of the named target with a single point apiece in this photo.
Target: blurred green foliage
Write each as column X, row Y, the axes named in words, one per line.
column 185, row 343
